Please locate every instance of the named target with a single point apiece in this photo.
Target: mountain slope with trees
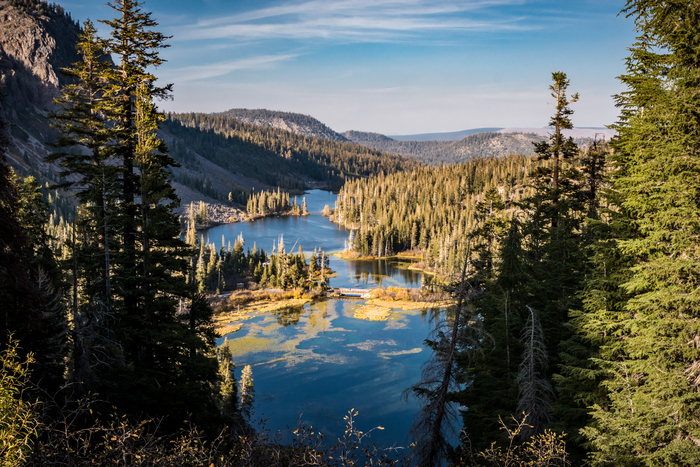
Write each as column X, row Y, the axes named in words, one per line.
column 37, row 40
column 274, row 156
column 478, row 145
column 217, row 153
column 294, row 122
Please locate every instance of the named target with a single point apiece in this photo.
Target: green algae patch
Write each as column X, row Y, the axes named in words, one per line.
column 246, row 305
column 249, row 344
column 267, row 307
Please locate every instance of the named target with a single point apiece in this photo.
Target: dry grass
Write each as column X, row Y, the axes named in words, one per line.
column 223, row 329
column 411, row 254
column 409, row 304
column 408, row 299
column 348, row 254
column 372, row 313
column 246, row 304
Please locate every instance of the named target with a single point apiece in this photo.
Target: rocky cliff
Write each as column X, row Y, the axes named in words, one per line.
column 36, row 41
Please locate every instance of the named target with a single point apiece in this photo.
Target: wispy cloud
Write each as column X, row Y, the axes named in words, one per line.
column 200, row 72
column 360, row 20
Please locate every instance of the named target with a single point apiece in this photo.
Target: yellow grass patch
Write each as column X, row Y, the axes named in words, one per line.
column 409, row 304
column 223, row 329
column 248, row 344
column 266, row 307
column 372, row 313
column 233, row 313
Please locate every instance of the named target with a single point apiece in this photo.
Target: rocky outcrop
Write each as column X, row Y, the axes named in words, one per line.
column 33, row 49
column 218, row 213
column 36, row 42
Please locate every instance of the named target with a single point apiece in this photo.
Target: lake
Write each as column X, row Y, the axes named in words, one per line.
column 315, row 231
column 315, row 363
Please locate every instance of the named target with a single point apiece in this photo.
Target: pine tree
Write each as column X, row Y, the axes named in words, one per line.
column 163, row 361
column 554, row 235
column 558, row 148
column 84, row 123
column 137, row 46
column 457, row 336
column 651, row 415
column 246, row 392
column 537, row 265
column 31, row 312
column 594, row 326
column 493, row 392
column 535, row 391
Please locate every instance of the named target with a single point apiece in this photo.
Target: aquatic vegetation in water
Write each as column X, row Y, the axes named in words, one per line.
column 230, row 313
column 249, row 344
column 372, row 313
column 371, row 345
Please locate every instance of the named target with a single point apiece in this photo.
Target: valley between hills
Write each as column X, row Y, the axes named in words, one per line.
column 251, row 287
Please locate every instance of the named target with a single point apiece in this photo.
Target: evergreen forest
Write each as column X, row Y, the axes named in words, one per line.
column 574, row 334
column 276, row 157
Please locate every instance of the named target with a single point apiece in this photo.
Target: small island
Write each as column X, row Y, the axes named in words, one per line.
column 274, row 203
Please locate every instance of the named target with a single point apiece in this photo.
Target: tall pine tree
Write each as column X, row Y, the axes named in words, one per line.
column 652, row 367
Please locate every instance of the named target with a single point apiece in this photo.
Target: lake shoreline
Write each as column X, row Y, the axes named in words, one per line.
column 419, row 266
column 242, row 305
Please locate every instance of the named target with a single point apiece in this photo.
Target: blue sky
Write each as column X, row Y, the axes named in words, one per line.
column 391, row 66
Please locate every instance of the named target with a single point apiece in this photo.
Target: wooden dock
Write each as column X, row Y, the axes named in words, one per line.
column 343, row 292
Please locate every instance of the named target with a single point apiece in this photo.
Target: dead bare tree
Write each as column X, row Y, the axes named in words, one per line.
column 456, row 333
column 536, row 392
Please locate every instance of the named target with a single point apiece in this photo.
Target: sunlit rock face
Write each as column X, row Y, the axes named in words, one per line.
column 35, row 44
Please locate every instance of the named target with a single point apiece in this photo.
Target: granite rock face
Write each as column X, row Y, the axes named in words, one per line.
column 33, row 49
column 35, row 44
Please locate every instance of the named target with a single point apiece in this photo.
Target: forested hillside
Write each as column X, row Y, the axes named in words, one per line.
column 275, row 157
column 573, row 337
column 296, row 123
column 450, row 152
column 429, row 209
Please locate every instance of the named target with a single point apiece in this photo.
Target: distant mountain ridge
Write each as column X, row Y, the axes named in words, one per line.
column 449, row 136
column 484, row 144
column 296, row 123
column 576, row 133
column 366, row 138
column 220, row 155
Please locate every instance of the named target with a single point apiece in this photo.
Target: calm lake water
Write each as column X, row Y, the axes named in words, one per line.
column 313, row 364
column 315, row 231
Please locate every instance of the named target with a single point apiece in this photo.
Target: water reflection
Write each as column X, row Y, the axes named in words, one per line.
column 289, row 316
column 315, row 231
column 314, row 363
column 390, row 272
column 317, row 362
